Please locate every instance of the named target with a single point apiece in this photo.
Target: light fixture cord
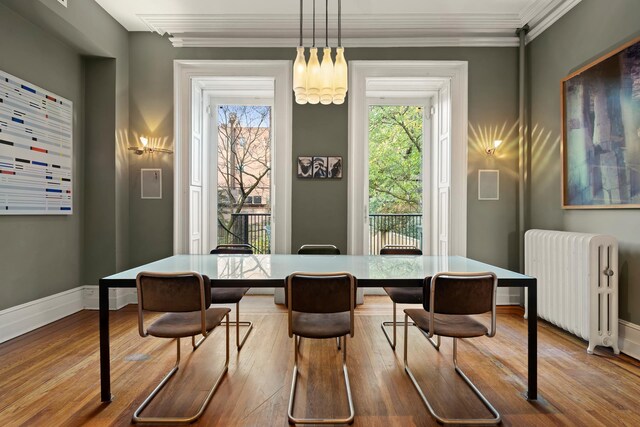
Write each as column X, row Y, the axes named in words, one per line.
column 314, row 23
column 300, row 23
column 326, row 24
column 339, row 23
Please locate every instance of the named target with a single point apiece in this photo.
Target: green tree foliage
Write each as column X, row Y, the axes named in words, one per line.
column 395, row 159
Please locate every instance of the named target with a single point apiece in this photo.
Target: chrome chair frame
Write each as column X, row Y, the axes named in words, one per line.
column 296, row 345
column 238, row 322
column 460, row 421
column 394, row 323
column 137, row 418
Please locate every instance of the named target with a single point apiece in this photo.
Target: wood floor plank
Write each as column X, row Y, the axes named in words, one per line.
column 51, row 376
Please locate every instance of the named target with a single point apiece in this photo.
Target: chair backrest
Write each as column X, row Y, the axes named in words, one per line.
column 400, row 250
column 172, row 292
column 462, row 293
column 318, row 250
column 232, row 248
column 320, row 293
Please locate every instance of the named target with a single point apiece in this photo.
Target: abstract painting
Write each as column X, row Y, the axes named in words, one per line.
column 36, row 150
column 601, row 132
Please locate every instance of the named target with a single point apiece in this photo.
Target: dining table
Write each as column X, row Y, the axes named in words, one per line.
column 270, row 271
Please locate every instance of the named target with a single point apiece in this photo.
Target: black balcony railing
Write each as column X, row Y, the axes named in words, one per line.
column 250, row 228
column 394, row 229
column 384, row 229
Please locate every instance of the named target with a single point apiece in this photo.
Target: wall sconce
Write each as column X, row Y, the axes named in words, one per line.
column 146, row 149
column 490, row 151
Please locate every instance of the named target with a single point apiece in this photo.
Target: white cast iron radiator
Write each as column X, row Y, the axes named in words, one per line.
column 577, row 283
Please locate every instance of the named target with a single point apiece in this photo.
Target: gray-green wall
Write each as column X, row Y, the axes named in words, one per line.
column 41, row 255
column 56, row 48
column 591, row 29
column 319, row 208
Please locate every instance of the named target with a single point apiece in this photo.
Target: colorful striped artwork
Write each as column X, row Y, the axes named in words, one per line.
column 36, row 150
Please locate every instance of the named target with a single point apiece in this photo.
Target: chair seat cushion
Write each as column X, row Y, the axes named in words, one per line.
column 321, row 325
column 448, row 325
column 405, row 295
column 227, row 295
column 178, row 325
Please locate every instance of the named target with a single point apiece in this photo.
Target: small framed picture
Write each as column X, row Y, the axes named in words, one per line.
column 305, row 167
column 334, row 167
column 320, row 167
column 151, row 183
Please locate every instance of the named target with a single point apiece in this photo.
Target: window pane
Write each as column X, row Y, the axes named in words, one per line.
column 395, row 176
column 244, row 176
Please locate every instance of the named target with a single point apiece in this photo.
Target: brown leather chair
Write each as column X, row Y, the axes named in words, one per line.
column 449, row 299
column 318, row 250
column 185, row 299
column 320, row 305
column 220, row 295
column 402, row 295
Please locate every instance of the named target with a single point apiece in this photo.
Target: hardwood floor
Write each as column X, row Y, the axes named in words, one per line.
column 50, row 377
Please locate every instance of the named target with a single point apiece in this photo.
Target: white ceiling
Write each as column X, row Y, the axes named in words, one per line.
column 364, row 22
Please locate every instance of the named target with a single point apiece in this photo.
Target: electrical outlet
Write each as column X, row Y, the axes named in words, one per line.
column 63, row 2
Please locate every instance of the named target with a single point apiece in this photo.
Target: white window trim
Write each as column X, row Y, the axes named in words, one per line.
column 188, row 71
column 457, row 74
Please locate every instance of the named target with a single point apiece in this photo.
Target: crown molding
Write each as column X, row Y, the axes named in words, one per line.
column 353, row 25
column 363, row 30
column 510, row 41
column 550, row 17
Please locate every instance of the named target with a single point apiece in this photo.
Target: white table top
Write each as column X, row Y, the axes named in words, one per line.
column 270, row 270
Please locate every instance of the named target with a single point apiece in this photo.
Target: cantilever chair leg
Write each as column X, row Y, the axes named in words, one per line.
column 182, row 420
column 237, row 324
column 292, row 396
column 383, row 325
column 440, row 419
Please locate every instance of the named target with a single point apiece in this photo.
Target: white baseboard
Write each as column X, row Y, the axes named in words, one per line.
column 629, row 338
column 261, row 291
column 509, row 296
column 506, row 296
column 118, row 298
column 23, row 318
column 18, row 320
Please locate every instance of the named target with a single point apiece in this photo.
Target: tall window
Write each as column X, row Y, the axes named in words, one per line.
column 244, row 175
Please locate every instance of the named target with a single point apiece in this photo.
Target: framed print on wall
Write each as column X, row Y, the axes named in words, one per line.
column 319, row 167
column 305, row 167
column 601, row 132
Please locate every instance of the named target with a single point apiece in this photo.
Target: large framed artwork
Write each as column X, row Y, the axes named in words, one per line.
column 36, row 150
column 601, row 132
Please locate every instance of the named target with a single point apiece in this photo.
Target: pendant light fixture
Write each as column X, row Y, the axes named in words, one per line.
column 300, row 70
column 314, row 82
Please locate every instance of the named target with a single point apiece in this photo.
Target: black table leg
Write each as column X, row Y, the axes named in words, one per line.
column 532, row 336
column 105, row 358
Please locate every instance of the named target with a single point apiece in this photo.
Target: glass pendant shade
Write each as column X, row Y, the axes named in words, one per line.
column 326, row 77
column 313, row 77
column 340, row 77
column 300, row 77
